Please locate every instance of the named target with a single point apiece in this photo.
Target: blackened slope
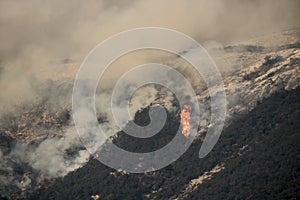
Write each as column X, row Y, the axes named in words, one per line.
column 268, row 169
column 138, row 145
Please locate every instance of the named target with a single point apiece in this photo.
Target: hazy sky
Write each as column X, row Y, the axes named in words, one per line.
column 34, row 29
column 35, row 33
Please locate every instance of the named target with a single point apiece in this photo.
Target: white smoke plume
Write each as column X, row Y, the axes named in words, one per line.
column 50, row 157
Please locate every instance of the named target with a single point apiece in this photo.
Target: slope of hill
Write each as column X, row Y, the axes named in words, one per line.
column 258, row 154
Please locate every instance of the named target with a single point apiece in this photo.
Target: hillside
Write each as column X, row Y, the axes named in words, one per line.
column 258, row 155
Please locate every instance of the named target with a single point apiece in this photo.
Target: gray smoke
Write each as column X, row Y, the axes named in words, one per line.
column 50, row 157
column 45, row 41
column 49, row 39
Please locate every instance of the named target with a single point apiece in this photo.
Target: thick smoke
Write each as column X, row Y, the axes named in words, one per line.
column 47, row 40
column 35, row 35
column 51, row 157
column 32, row 34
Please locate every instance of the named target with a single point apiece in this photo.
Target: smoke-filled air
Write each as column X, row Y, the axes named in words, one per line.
column 43, row 44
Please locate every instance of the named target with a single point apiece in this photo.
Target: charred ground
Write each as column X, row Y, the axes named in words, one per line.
column 259, row 150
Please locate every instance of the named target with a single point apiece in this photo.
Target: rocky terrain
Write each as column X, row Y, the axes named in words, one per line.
column 256, row 156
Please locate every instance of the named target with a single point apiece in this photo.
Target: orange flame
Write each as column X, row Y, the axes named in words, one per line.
column 185, row 116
